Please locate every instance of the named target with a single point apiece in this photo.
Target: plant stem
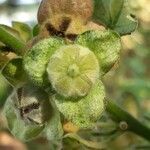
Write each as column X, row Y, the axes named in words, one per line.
column 11, row 41
column 118, row 114
column 89, row 144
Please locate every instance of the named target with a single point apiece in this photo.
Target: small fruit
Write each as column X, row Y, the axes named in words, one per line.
column 87, row 110
column 73, row 70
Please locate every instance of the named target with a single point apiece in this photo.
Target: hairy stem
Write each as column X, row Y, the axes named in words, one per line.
column 118, row 114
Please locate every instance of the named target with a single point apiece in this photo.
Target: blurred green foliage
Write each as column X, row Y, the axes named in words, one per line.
column 4, row 90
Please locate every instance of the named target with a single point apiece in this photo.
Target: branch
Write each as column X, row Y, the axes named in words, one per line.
column 118, row 114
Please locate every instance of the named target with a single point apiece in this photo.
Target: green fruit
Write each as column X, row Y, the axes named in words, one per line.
column 73, row 70
column 105, row 44
column 37, row 58
column 86, row 111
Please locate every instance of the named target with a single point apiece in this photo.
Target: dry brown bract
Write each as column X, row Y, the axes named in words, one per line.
column 64, row 18
column 78, row 8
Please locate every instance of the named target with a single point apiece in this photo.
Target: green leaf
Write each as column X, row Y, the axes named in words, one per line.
column 14, row 72
column 11, row 39
column 114, row 14
column 11, row 30
column 105, row 44
column 24, row 30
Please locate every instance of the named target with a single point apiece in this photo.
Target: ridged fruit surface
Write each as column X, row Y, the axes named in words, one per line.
column 73, row 70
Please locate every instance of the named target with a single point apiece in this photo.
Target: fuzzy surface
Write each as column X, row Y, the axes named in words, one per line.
column 37, row 58
column 105, row 44
column 73, row 70
column 86, row 111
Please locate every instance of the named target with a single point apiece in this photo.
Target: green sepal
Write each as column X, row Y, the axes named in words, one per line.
column 13, row 72
column 23, row 29
column 37, row 58
column 86, row 111
column 105, row 44
column 114, row 14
